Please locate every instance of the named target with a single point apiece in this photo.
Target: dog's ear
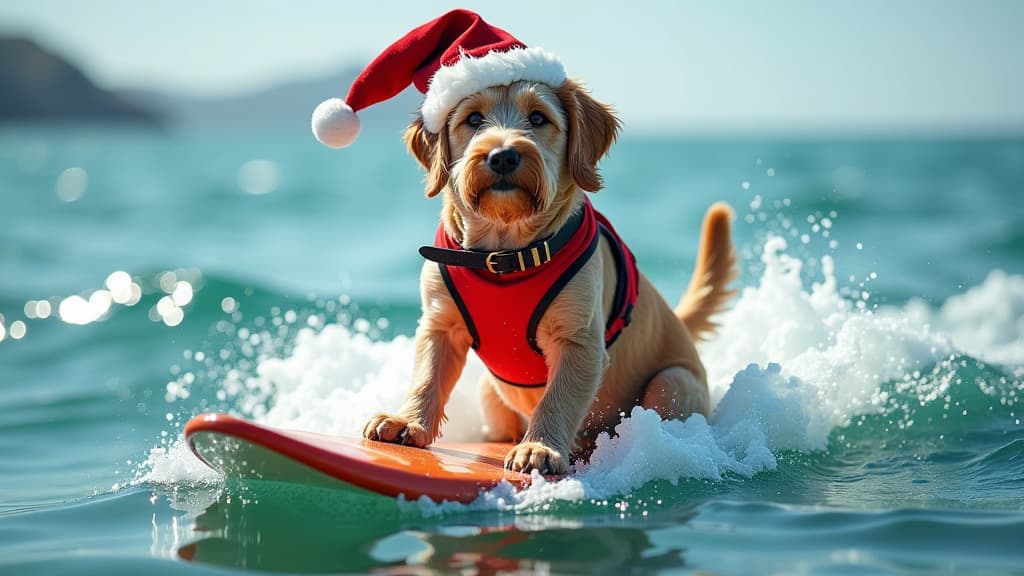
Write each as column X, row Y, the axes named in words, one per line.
column 432, row 152
column 592, row 127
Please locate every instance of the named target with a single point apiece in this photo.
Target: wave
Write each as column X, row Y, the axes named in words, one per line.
column 793, row 369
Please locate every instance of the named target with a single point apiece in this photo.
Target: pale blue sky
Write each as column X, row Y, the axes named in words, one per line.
column 788, row 65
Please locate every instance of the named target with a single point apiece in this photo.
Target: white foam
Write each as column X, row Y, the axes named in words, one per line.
column 175, row 465
column 761, row 413
column 336, row 379
column 789, row 365
column 643, row 449
column 837, row 353
column 986, row 322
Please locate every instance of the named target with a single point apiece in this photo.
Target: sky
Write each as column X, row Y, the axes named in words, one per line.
column 782, row 65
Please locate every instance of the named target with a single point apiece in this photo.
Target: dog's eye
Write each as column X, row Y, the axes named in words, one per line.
column 537, row 119
column 475, row 120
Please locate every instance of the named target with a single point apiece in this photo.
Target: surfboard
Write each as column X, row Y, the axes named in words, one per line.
column 243, row 449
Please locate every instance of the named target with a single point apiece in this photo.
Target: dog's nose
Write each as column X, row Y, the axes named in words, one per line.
column 503, row 160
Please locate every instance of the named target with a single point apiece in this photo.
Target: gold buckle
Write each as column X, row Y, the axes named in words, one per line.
column 490, row 265
column 538, row 259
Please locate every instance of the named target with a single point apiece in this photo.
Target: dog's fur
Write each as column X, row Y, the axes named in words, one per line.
column 654, row 363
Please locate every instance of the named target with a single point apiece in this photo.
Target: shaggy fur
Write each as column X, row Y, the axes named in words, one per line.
column 654, row 362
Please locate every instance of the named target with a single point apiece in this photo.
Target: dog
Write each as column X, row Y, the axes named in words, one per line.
column 514, row 164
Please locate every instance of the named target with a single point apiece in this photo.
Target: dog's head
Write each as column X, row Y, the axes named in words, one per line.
column 508, row 154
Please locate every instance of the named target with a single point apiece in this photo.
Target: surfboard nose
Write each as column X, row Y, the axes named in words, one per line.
column 243, row 449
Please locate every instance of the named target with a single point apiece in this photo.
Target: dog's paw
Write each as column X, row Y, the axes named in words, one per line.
column 397, row 430
column 536, row 456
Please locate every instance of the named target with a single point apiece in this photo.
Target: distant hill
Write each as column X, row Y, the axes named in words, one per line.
column 286, row 107
column 37, row 85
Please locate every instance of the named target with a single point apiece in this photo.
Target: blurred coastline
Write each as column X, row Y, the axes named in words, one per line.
column 42, row 88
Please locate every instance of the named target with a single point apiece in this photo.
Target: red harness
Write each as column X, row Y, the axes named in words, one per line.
column 502, row 311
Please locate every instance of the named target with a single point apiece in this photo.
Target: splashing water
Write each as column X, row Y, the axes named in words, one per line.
column 788, row 368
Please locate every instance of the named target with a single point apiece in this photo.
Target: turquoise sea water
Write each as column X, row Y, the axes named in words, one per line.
column 869, row 381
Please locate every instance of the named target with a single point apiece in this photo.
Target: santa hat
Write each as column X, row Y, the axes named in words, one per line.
column 447, row 59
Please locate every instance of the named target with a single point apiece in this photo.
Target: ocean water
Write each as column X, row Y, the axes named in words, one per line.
column 868, row 381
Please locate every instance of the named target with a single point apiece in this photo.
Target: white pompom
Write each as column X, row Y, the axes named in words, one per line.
column 335, row 124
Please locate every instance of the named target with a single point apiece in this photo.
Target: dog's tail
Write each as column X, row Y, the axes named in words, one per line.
column 715, row 269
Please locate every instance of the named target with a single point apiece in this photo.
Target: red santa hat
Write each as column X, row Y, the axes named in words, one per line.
column 448, row 59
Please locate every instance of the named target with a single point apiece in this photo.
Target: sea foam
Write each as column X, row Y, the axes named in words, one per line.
column 789, row 365
column 986, row 321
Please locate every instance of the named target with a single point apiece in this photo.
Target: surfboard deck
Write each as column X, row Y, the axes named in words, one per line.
column 446, row 471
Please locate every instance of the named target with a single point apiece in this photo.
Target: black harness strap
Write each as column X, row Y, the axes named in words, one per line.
column 506, row 261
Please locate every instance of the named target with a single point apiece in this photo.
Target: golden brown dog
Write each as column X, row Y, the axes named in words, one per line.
column 560, row 134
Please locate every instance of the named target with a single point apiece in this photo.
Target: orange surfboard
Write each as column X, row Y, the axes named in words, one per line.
column 447, row 471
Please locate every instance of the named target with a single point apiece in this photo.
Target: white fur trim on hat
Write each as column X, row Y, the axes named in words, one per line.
column 451, row 84
column 335, row 123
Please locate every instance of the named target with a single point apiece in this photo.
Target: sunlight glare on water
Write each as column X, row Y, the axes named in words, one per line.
column 72, row 184
column 258, row 177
